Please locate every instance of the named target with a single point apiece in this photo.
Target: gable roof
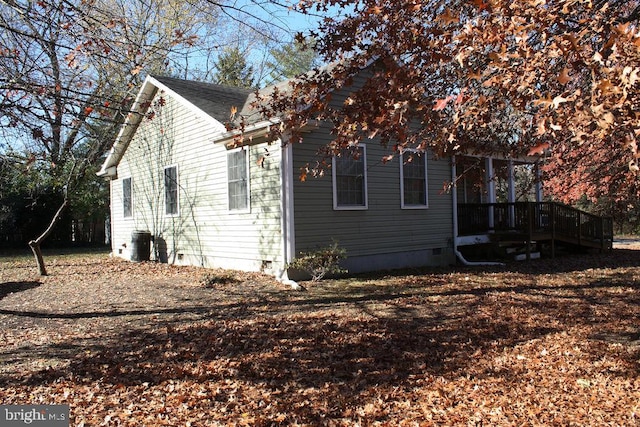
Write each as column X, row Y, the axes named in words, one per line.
column 212, row 102
column 213, row 99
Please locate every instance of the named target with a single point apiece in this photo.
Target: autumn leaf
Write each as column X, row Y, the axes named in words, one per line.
column 387, row 158
column 564, row 77
column 538, row 149
column 605, row 86
column 606, row 120
column 550, row 103
column 630, row 76
column 37, row 134
column 448, row 17
column 441, row 104
column 481, row 4
column 474, row 75
column 543, row 102
column 70, row 58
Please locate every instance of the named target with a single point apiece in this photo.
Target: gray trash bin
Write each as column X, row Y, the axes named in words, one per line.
column 140, row 246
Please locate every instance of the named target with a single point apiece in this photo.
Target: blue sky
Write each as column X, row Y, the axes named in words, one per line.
column 279, row 15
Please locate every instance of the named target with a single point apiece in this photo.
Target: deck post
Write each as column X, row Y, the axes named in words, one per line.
column 601, row 234
column 529, row 229
column 553, row 219
column 579, row 228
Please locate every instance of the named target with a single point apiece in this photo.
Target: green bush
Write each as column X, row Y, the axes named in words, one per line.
column 320, row 262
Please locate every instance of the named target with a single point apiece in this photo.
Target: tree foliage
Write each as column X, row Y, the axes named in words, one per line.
column 233, row 69
column 555, row 77
column 67, row 73
column 292, row 59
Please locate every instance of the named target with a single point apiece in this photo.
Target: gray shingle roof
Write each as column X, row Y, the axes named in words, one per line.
column 215, row 100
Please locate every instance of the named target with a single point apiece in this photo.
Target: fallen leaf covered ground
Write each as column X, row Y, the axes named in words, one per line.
column 550, row 342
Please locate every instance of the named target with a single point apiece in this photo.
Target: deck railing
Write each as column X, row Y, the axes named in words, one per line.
column 543, row 221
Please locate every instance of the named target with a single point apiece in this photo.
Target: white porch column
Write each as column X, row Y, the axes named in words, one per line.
column 511, row 193
column 539, row 194
column 491, row 189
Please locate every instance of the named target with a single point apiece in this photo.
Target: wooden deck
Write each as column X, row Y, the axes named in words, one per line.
column 536, row 222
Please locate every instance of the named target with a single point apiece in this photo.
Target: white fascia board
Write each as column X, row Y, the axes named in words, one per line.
column 128, row 128
column 254, row 130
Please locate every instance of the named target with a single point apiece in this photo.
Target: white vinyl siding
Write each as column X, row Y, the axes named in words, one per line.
column 413, row 180
column 238, row 179
column 350, row 180
column 204, row 232
column 127, row 198
column 171, row 190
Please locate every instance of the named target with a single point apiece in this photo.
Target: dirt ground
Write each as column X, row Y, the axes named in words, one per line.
column 549, row 342
column 96, row 296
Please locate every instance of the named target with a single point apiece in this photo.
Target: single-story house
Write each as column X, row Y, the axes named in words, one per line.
column 176, row 174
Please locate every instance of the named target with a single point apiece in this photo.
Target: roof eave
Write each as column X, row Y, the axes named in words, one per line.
column 128, row 128
column 252, row 134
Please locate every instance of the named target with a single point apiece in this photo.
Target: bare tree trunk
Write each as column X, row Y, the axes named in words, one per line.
column 35, row 244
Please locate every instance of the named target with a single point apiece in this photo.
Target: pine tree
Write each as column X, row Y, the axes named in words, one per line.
column 233, row 69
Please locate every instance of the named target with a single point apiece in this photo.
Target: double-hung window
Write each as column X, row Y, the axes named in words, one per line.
column 413, row 180
column 127, row 200
column 349, row 173
column 238, row 179
column 171, row 190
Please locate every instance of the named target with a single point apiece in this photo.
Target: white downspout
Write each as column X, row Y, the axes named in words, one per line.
column 286, row 218
column 454, row 198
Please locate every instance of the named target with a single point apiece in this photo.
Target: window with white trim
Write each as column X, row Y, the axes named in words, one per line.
column 127, row 200
column 171, row 190
column 349, row 173
column 413, row 180
column 238, row 179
